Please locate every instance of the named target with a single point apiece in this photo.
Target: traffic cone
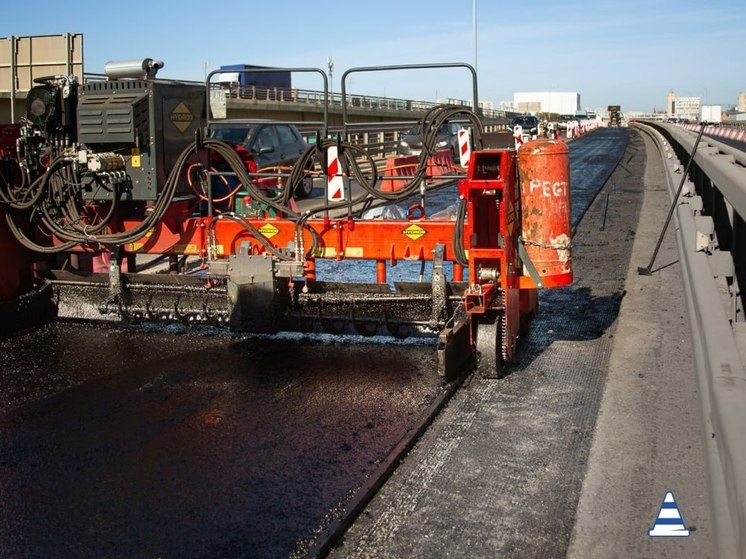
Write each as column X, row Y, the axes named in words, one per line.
column 669, row 523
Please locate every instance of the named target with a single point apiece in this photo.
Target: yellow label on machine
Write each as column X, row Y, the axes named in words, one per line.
column 135, row 159
column 414, row 232
column 192, row 249
column 269, row 230
column 354, row 252
column 325, row 252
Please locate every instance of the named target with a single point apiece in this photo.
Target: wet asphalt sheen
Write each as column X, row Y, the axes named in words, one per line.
column 124, row 442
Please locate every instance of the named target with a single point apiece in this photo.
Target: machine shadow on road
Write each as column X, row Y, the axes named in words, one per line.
column 572, row 314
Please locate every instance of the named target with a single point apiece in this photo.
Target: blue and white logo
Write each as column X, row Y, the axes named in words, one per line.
column 669, row 523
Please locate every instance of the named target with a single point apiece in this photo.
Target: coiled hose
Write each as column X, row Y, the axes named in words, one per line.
column 54, row 197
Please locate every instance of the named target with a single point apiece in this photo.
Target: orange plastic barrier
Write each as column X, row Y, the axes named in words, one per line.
column 440, row 163
column 400, row 166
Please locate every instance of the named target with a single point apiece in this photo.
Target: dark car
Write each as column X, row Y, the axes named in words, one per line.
column 411, row 142
column 528, row 123
column 270, row 145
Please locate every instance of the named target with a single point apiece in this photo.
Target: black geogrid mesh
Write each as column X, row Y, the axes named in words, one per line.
column 501, row 471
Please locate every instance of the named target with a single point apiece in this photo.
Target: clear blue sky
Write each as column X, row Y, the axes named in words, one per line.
column 611, row 52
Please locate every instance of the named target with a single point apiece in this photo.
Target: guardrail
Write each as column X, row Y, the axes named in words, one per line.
column 307, row 96
column 727, row 131
column 711, row 232
column 314, row 97
column 382, row 139
column 739, row 124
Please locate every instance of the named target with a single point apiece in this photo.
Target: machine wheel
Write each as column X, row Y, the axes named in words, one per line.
column 489, row 352
column 305, row 188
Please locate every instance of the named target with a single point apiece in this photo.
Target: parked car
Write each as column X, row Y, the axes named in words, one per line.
column 447, row 138
column 269, row 144
column 529, row 124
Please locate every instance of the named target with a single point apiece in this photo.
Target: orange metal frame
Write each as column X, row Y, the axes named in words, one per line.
column 491, row 233
column 490, row 238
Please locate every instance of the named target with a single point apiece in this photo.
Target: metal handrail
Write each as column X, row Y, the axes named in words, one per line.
column 408, row 67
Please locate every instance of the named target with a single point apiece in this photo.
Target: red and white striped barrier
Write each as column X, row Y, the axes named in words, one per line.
column 335, row 180
column 577, row 129
column 464, row 147
column 518, row 135
column 727, row 132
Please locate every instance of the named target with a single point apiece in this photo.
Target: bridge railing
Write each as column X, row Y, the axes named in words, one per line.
column 314, row 97
column 711, row 229
column 308, row 96
column 381, row 140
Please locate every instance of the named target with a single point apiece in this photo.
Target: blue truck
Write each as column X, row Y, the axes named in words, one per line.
column 246, row 75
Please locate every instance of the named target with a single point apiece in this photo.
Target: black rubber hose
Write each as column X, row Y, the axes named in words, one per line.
column 459, row 251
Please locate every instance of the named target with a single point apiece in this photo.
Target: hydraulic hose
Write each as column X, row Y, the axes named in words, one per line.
column 56, row 205
column 458, row 234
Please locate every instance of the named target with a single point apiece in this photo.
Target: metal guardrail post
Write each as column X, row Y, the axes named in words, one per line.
column 648, row 270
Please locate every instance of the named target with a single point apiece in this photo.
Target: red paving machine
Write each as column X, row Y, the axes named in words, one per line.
column 108, row 179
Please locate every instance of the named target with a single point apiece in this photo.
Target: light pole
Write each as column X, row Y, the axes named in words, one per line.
column 330, row 65
column 474, row 32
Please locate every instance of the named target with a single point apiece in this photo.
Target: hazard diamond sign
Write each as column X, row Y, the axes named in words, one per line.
column 269, row 230
column 414, row 232
column 182, row 117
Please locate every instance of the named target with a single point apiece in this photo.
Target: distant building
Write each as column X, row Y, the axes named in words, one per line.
column 507, row 106
column 688, row 108
column 741, row 106
column 557, row 102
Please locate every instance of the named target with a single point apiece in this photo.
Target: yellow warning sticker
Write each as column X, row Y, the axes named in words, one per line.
column 181, row 117
column 191, row 248
column 269, row 230
column 325, row 252
column 414, row 232
column 354, row 252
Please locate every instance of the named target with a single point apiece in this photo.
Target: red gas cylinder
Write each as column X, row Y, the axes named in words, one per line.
column 544, row 178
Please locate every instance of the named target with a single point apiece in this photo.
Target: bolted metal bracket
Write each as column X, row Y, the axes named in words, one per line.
column 439, row 290
column 115, row 283
column 532, row 271
column 706, row 240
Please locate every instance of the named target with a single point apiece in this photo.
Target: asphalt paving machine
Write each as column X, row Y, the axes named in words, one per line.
column 109, row 210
